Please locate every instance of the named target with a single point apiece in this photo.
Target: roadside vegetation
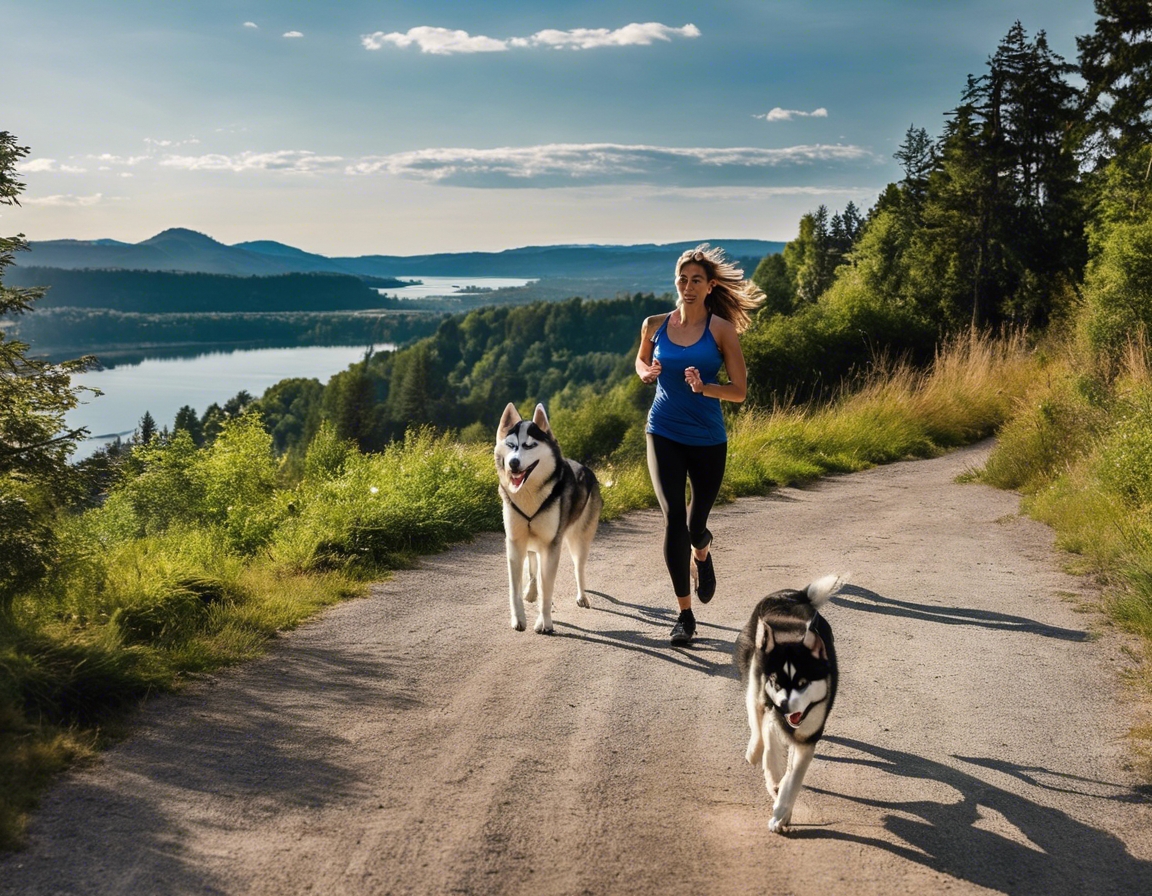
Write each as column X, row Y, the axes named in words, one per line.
column 1002, row 287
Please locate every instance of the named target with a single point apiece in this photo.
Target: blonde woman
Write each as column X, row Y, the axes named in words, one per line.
column 682, row 353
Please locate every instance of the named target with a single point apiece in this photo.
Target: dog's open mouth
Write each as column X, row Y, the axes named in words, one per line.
column 795, row 718
column 517, row 479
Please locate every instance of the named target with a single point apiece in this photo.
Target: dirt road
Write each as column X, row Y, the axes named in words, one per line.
column 412, row 743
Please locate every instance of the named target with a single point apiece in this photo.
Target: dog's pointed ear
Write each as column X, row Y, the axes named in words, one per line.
column 540, row 418
column 511, row 418
column 764, row 640
column 816, row 644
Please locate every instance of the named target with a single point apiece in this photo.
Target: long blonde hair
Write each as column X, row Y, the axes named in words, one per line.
column 732, row 298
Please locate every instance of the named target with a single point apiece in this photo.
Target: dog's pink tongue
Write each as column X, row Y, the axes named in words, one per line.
column 794, row 718
column 518, row 479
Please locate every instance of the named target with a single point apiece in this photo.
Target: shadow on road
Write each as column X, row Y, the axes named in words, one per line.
column 871, row 602
column 262, row 747
column 1064, row 855
column 712, row 656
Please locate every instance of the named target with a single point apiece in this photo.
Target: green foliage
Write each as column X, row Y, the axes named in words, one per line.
column 1124, row 459
column 35, row 479
column 779, row 288
column 414, row 497
column 1118, row 288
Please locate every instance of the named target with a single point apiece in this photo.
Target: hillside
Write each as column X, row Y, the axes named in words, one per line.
column 185, row 250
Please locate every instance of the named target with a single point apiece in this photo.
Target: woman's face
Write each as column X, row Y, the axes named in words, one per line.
column 692, row 283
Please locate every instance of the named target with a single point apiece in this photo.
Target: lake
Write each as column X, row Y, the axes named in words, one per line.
column 449, row 286
column 162, row 386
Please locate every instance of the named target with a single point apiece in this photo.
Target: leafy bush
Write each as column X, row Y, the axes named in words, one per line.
column 1124, row 464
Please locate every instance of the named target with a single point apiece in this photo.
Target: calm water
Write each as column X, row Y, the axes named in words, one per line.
column 163, row 386
column 449, row 286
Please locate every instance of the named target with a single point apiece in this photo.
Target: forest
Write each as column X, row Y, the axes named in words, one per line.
column 154, row 292
column 1002, row 285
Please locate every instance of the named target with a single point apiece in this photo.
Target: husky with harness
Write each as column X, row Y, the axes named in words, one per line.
column 548, row 500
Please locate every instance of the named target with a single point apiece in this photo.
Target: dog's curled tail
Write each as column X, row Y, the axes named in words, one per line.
column 822, row 589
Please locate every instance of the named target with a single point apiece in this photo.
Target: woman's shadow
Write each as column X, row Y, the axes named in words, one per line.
column 710, row 651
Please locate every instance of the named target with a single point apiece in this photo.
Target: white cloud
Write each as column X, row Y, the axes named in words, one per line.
column 445, row 41
column 439, row 41
column 63, row 200
column 558, row 165
column 251, row 25
column 290, row 160
column 35, row 166
column 293, row 34
column 636, row 34
column 779, row 114
column 108, row 159
column 42, row 165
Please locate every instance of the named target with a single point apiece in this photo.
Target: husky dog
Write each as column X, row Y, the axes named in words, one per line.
column 548, row 499
column 788, row 664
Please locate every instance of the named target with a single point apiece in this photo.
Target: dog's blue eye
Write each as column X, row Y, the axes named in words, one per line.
column 801, row 683
column 510, row 442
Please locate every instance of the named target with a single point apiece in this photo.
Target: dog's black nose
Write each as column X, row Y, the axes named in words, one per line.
column 514, row 464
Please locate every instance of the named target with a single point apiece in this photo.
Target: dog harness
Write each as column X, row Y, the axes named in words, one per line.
column 558, row 489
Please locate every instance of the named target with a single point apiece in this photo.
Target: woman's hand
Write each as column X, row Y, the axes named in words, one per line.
column 651, row 371
column 692, row 378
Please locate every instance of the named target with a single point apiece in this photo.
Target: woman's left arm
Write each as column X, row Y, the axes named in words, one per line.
column 728, row 341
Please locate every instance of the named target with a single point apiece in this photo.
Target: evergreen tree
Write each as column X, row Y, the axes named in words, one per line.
column 1116, row 65
column 35, row 443
column 189, row 422
column 146, row 432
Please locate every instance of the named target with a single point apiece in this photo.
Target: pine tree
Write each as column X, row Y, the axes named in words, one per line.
column 35, row 443
column 1116, row 65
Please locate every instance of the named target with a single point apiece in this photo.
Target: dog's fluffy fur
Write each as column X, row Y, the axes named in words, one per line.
column 548, row 500
column 788, row 664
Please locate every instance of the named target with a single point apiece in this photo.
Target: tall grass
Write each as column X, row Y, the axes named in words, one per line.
column 200, row 556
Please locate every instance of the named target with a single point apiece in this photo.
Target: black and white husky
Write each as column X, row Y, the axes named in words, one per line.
column 788, row 664
column 548, row 499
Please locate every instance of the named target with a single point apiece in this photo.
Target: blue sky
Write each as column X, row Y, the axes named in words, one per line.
column 399, row 127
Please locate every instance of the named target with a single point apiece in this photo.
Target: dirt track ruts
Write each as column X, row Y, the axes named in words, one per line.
column 412, row 743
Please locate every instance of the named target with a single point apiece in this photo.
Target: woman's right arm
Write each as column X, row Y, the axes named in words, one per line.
column 646, row 368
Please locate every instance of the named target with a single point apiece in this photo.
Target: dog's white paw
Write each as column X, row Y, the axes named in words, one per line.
column 517, row 624
column 755, row 751
column 779, row 825
column 582, row 601
column 530, row 595
column 542, row 627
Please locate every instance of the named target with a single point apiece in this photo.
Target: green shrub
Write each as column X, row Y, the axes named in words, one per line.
column 1124, row 462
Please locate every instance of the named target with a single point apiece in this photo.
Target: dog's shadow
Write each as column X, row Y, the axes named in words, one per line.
column 1050, row 851
column 710, row 655
column 855, row 598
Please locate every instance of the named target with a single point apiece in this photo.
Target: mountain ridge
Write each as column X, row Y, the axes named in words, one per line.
column 183, row 249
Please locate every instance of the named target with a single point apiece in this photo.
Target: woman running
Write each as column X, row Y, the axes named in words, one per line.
column 682, row 353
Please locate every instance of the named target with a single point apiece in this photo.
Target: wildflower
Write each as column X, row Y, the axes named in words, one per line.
column 373, row 490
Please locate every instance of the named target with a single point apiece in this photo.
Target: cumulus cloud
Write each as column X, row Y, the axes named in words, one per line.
column 290, row 160
column 63, row 200
column 439, row 41
column 445, row 41
column 251, row 25
column 293, row 33
column 779, row 114
column 559, row 165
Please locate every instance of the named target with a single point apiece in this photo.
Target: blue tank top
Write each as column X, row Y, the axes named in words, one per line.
column 677, row 412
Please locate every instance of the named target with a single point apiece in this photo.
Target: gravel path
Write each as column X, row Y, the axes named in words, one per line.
column 412, row 743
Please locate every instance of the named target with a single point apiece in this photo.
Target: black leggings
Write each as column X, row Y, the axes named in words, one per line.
column 672, row 465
